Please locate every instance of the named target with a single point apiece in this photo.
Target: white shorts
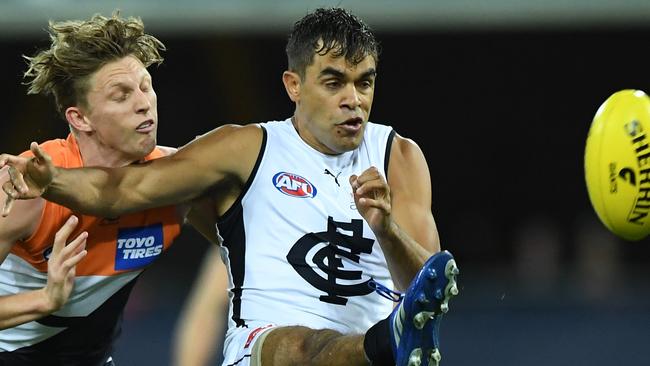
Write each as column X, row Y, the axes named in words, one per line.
column 238, row 347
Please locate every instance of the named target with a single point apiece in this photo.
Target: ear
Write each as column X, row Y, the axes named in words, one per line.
column 77, row 119
column 292, row 82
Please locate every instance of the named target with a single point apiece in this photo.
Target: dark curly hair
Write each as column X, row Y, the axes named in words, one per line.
column 330, row 30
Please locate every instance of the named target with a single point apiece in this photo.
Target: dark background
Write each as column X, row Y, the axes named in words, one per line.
column 502, row 117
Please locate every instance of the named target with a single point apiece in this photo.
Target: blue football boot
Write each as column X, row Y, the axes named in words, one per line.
column 415, row 321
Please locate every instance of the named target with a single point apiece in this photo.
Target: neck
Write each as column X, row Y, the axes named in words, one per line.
column 295, row 123
column 94, row 153
column 308, row 138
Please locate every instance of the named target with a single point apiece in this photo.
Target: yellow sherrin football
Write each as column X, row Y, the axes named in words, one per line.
column 617, row 164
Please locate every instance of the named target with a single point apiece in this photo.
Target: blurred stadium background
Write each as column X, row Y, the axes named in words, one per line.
column 499, row 94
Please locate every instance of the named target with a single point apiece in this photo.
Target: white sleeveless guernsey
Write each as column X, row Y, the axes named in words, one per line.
column 297, row 250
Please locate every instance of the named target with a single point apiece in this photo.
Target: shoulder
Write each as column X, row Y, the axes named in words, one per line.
column 231, row 135
column 248, row 129
column 377, row 132
column 408, row 170
column 52, row 147
column 405, row 152
column 228, row 149
column 166, row 150
column 62, row 152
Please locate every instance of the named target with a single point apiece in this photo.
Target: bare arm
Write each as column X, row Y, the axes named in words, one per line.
column 226, row 152
column 203, row 218
column 414, row 228
column 401, row 219
column 199, row 329
column 31, row 305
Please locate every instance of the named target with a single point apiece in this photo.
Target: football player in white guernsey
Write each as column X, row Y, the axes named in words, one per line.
column 326, row 217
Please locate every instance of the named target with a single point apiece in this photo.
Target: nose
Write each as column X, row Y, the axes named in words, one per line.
column 351, row 97
column 143, row 102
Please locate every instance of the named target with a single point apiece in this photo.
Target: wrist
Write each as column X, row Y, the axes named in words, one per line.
column 45, row 305
column 389, row 232
column 49, row 187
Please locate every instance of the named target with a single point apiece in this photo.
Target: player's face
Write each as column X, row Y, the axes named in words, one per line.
column 334, row 103
column 122, row 108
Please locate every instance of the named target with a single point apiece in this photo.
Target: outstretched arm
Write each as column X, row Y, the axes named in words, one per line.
column 228, row 152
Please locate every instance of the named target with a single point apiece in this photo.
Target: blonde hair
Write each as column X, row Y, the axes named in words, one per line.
column 80, row 48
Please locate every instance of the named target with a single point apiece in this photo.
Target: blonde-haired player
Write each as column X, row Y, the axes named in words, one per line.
column 96, row 71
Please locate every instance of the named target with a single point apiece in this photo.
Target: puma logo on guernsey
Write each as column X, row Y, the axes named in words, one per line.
column 138, row 247
column 336, row 177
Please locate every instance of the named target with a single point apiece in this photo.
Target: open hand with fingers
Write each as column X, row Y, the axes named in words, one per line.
column 29, row 177
column 61, row 266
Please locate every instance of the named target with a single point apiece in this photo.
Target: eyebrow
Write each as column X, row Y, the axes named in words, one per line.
column 122, row 84
column 118, row 84
column 330, row 71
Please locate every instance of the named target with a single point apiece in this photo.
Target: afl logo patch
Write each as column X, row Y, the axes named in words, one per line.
column 294, row 185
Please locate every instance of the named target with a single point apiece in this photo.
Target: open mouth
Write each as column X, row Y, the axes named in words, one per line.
column 352, row 124
column 145, row 126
